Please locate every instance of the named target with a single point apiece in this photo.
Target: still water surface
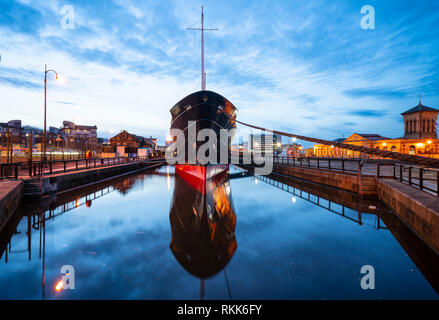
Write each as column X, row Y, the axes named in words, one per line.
column 274, row 246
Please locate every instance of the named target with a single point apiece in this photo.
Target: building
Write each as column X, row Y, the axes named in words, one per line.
column 420, row 138
column 131, row 143
column 258, row 143
column 79, row 137
column 293, row 149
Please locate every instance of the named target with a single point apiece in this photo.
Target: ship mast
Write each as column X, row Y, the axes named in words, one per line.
column 202, row 29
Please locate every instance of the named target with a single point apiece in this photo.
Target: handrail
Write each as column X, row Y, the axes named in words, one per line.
column 37, row 168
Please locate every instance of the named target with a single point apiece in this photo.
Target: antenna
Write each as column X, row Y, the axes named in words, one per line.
column 202, row 29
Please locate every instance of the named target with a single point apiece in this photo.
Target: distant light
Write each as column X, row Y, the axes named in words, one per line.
column 429, row 141
column 256, row 144
column 384, row 143
column 294, row 139
column 420, row 144
column 278, row 144
column 293, row 199
column 256, row 181
column 59, row 285
column 60, row 78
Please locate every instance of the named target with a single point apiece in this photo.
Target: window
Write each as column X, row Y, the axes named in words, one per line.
column 393, row 149
column 412, row 150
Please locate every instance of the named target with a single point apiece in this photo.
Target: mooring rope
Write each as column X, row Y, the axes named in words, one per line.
column 431, row 162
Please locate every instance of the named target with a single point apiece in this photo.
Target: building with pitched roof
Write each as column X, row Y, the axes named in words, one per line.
column 420, row 138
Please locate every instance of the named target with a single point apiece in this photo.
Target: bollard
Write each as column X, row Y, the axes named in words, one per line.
column 16, row 171
column 421, row 178
column 65, row 166
column 410, row 175
column 400, row 173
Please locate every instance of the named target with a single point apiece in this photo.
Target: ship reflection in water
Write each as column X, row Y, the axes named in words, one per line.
column 125, row 243
column 203, row 222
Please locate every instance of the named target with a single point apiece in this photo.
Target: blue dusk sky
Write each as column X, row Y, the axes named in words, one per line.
column 306, row 67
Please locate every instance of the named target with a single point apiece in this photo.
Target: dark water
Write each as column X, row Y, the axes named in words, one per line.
column 262, row 241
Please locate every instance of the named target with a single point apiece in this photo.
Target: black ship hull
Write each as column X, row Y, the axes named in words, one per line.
column 198, row 111
column 203, row 221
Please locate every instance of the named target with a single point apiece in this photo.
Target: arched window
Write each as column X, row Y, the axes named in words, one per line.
column 393, row 149
column 412, row 150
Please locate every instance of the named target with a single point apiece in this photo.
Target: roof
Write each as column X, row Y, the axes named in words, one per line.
column 367, row 136
column 420, row 108
column 82, row 127
column 372, row 136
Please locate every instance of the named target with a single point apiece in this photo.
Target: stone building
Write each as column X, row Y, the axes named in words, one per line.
column 420, row 122
column 420, row 138
column 79, row 136
column 132, row 142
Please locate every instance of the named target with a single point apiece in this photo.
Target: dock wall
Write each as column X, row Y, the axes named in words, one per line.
column 364, row 185
column 11, row 194
column 417, row 209
column 65, row 181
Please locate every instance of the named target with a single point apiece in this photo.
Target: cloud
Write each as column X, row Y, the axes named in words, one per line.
column 127, row 63
column 367, row 113
column 64, row 102
column 380, row 93
column 19, row 83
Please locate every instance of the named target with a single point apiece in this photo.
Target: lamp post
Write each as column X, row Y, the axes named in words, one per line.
column 45, row 104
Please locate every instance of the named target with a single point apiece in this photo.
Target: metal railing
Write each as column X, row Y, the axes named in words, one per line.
column 37, row 168
column 423, row 178
column 426, row 179
column 378, row 167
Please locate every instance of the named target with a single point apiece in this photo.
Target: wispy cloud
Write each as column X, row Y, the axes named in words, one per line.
column 302, row 65
column 367, row 113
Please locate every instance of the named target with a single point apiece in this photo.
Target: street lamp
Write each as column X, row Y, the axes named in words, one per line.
column 45, row 104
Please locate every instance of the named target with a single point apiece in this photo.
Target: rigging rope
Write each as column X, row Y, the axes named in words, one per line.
column 431, row 162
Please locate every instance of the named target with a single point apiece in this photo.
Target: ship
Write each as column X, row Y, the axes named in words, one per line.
column 203, row 221
column 203, row 110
